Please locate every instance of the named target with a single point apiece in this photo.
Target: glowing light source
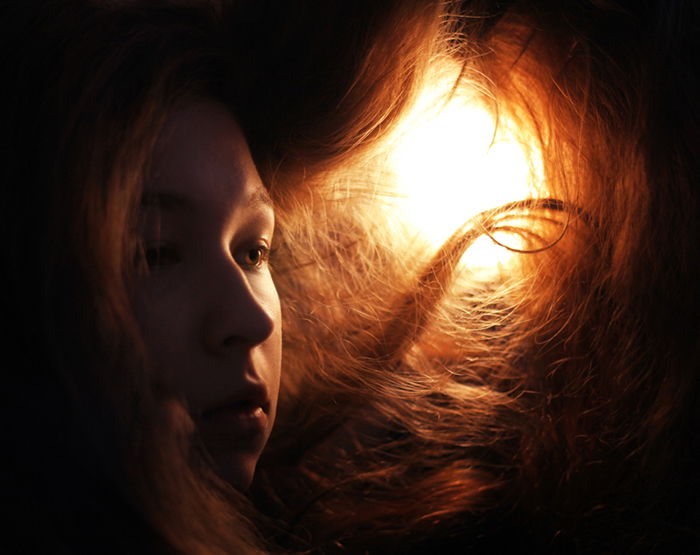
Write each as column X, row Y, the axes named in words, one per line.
column 452, row 162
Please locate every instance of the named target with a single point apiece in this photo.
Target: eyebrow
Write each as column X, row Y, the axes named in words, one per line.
column 262, row 196
column 169, row 201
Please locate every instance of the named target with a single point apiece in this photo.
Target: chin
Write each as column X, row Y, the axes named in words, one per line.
column 238, row 469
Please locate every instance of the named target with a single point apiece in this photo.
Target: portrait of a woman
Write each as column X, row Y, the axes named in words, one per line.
column 222, row 336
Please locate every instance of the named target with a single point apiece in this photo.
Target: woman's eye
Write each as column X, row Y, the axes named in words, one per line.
column 161, row 255
column 256, row 257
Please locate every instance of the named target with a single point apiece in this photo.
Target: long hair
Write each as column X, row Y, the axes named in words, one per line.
column 95, row 463
column 90, row 85
column 420, row 408
column 557, row 405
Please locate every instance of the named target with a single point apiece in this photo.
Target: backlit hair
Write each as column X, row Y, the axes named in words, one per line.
column 559, row 404
column 552, row 409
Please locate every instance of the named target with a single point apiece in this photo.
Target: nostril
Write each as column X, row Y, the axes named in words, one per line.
column 232, row 341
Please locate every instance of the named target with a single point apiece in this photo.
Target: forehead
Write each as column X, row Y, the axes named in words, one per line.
column 202, row 156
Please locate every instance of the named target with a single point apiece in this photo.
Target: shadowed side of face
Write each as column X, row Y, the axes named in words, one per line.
column 207, row 306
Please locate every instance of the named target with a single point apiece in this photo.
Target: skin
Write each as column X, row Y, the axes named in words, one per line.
column 206, row 305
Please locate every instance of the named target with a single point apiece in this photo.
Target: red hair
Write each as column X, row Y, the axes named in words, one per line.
column 559, row 401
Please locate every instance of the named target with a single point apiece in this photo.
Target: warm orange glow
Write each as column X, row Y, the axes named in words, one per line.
column 451, row 162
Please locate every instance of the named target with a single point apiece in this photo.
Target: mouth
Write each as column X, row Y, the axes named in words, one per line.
column 237, row 423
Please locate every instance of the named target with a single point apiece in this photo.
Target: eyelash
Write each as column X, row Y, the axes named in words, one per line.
column 160, row 255
column 263, row 256
column 164, row 254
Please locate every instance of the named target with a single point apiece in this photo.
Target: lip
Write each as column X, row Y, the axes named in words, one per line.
column 238, row 422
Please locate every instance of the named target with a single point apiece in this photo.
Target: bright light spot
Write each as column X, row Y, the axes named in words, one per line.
column 451, row 162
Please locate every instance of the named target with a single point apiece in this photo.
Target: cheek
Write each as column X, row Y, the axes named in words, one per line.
column 272, row 347
column 273, row 352
column 162, row 319
column 277, row 359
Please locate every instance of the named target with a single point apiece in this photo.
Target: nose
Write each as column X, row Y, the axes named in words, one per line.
column 240, row 313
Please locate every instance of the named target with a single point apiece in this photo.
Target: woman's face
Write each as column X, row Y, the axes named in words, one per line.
column 207, row 307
